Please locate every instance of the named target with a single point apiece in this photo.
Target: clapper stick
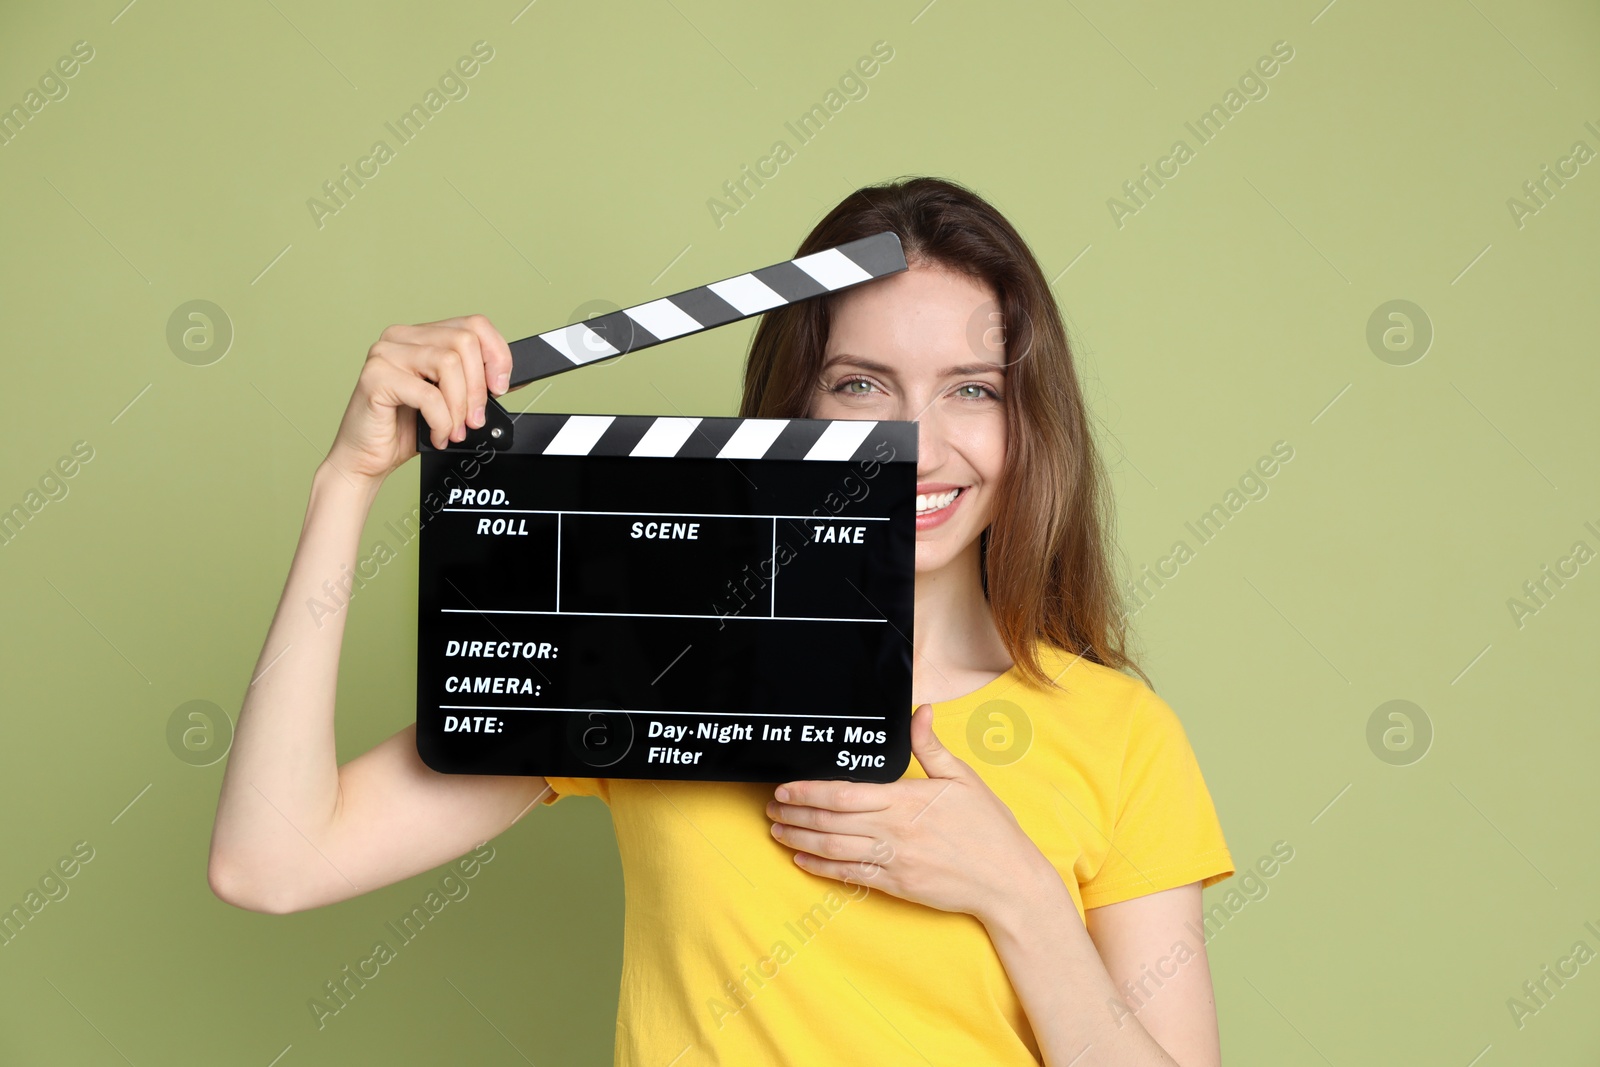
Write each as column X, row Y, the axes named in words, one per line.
column 692, row 311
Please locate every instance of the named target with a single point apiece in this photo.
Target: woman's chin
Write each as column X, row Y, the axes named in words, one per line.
column 935, row 554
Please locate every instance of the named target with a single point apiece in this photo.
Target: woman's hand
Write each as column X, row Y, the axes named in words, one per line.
column 948, row 841
column 443, row 369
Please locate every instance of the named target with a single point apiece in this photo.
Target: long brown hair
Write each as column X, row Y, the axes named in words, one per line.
column 1044, row 557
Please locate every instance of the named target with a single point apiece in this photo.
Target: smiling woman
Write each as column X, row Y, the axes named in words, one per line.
column 1040, row 879
column 1054, row 832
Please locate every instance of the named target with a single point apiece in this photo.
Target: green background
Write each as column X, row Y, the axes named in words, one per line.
column 1229, row 313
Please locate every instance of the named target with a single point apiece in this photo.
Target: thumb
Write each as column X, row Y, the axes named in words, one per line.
column 936, row 760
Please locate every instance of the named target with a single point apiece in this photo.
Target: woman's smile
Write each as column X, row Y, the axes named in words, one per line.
column 936, row 505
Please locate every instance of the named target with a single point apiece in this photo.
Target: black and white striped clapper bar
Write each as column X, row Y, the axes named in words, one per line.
column 634, row 596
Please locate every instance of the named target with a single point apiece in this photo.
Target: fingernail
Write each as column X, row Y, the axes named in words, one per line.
column 782, row 793
column 501, row 381
column 777, row 830
column 477, row 417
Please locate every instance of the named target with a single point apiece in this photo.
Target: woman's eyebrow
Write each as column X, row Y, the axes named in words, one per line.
column 885, row 369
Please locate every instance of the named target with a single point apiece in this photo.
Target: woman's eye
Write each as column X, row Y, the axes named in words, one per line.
column 980, row 391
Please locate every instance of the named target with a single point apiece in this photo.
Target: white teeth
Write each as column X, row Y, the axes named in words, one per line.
column 927, row 502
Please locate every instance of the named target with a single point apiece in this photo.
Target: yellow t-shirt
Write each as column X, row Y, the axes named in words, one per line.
column 732, row 954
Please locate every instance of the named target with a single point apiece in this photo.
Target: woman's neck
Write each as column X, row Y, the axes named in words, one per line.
column 955, row 639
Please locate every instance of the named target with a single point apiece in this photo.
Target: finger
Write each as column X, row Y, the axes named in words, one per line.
column 840, row 870
column 395, row 386
column 827, row 846
column 465, row 343
column 468, row 352
column 444, row 368
column 837, row 796
column 404, row 347
column 936, row 760
column 824, row 819
column 496, row 352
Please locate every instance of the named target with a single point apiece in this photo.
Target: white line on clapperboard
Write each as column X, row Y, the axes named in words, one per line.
column 772, row 592
column 678, row 514
column 642, row 711
column 654, row 615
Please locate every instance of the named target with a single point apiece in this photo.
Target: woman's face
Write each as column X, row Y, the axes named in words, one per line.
column 925, row 346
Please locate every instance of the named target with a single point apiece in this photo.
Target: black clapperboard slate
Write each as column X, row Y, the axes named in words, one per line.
column 633, row 596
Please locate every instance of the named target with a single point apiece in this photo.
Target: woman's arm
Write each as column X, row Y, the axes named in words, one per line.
column 1155, row 952
column 1088, row 992
column 294, row 830
column 949, row 842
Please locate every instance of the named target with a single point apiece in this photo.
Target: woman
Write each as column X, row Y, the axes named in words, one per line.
column 1037, row 869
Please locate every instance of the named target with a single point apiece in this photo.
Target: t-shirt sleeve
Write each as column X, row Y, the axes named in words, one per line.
column 1166, row 832
column 580, row 787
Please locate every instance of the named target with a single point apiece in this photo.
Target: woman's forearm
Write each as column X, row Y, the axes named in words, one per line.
column 1062, row 982
column 281, row 788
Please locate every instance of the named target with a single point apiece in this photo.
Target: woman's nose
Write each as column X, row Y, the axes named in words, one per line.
column 930, row 443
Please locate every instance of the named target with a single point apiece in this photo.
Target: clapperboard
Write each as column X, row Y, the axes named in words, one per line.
column 633, row 596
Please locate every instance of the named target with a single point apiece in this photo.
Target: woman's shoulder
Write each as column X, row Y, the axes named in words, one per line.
column 1092, row 698
column 1089, row 696
column 1078, row 679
